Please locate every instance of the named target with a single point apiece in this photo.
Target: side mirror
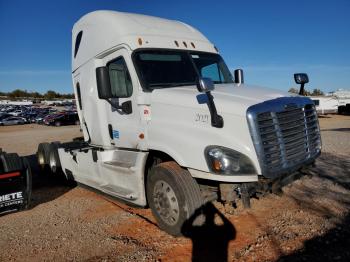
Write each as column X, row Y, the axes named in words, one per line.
column 239, row 79
column 301, row 78
column 103, row 83
column 205, row 84
column 127, row 107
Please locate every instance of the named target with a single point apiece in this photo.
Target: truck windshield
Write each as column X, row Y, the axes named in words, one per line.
column 164, row 68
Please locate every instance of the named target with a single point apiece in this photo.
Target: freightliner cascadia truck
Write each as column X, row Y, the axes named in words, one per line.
column 166, row 124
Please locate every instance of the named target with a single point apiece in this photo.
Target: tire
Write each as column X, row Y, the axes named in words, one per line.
column 11, row 162
column 171, row 187
column 58, row 123
column 1, row 164
column 43, row 155
column 54, row 160
column 347, row 109
column 341, row 110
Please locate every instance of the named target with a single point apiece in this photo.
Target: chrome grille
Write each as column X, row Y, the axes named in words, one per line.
column 285, row 133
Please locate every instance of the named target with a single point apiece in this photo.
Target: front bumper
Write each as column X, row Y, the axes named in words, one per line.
column 223, row 178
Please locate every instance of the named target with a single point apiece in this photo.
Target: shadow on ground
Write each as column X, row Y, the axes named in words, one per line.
column 332, row 246
column 46, row 186
column 331, row 183
column 324, row 116
column 209, row 239
column 344, row 129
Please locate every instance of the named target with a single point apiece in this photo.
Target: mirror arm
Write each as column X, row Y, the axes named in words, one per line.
column 302, row 90
column 118, row 107
column 216, row 120
column 114, row 105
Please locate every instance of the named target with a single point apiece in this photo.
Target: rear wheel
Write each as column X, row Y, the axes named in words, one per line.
column 54, row 160
column 341, row 110
column 173, row 196
column 43, row 155
column 58, row 123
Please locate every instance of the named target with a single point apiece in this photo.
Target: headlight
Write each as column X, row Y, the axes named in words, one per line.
column 225, row 161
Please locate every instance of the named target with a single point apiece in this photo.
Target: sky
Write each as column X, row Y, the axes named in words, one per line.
column 269, row 40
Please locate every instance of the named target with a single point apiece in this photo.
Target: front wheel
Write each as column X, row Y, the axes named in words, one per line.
column 173, row 196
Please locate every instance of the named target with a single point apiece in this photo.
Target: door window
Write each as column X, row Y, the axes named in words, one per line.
column 212, row 71
column 121, row 85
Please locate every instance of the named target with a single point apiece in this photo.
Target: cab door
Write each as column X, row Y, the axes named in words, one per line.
column 124, row 127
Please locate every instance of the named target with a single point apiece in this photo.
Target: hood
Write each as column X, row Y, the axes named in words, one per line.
column 228, row 98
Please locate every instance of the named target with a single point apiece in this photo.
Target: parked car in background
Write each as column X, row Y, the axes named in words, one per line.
column 47, row 118
column 17, row 112
column 32, row 113
column 39, row 119
column 29, row 116
column 13, row 120
column 4, row 116
column 64, row 118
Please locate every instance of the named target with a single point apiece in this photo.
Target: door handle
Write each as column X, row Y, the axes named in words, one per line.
column 110, row 130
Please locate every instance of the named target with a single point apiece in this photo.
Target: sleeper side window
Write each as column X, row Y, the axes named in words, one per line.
column 121, row 85
column 77, row 43
column 79, row 97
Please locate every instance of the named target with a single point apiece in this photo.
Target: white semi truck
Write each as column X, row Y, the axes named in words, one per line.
column 167, row 126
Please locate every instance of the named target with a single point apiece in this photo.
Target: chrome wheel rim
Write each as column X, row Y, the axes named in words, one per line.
column 166, row 202
column 53, row 163
column 41, row 159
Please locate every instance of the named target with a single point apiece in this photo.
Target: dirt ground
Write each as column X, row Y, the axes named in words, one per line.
column 24, row 139
column 310, row 221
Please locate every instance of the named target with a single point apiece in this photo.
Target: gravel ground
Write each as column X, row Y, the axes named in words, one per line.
column 335, row 134
column 309, row 222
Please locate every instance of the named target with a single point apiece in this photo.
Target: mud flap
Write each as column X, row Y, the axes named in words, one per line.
column 15, row 187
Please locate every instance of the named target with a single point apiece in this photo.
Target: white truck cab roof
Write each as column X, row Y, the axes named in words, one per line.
column 99, row 31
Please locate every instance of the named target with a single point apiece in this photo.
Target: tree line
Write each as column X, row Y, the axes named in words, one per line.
column 18, row 93
column 315, row 92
